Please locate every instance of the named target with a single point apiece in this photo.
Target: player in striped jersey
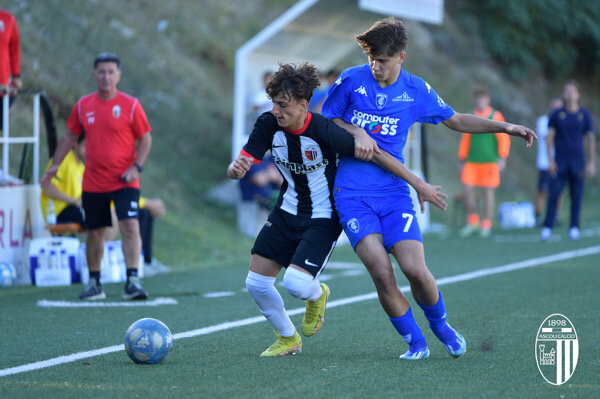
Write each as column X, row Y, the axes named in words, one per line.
column 302, row 230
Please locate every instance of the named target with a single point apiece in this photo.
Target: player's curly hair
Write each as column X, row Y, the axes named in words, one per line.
column 294, row 81
column 386, row 37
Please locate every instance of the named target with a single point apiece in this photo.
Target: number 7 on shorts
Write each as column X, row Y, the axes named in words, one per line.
column 410, row 217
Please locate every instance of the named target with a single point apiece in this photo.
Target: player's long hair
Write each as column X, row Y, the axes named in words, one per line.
column 387, row 37
column 295, row 81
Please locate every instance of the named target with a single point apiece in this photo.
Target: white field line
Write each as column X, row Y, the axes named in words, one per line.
column 45, row 303
column 343, row 265
column 219, row 294
column 340, row 302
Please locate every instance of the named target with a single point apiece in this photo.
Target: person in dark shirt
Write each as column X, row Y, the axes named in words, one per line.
column 261, row 183
column 570, row 129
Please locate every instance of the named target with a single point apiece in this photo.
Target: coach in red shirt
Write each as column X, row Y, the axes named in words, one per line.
column 10, row 57
column 114, row 122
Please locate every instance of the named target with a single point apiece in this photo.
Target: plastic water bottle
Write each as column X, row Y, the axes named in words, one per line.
column 113, row 262
column 42, row 258
column 52, row 260
column 50, row 213
column 64, row 259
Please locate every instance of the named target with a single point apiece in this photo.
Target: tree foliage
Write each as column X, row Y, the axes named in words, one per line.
column 556, row 37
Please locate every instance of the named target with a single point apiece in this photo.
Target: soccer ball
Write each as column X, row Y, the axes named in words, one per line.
column 148, row 341
column 8, row 274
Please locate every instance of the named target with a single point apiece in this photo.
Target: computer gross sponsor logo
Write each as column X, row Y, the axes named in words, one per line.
column 375, row 124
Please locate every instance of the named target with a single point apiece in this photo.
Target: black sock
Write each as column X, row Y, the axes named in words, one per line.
column 131, row 273
column 95, row 276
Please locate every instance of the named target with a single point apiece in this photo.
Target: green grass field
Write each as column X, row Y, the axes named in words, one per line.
column 354, row 355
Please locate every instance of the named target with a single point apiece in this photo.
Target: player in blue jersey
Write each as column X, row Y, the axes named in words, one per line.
column 380, row 101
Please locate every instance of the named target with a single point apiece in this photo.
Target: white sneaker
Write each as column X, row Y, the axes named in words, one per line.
column 546, row 234
column 574, row 233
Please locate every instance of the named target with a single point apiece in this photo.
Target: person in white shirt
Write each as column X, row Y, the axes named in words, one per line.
column 261, row 102
column 542, row 159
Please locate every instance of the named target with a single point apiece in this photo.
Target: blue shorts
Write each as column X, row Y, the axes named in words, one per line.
column 392, row 217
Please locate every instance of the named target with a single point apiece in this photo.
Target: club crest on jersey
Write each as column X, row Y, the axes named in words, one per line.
column 1, row 26
column 116, row 111
column 381, row 100
column 311, row 153
column 353, row 225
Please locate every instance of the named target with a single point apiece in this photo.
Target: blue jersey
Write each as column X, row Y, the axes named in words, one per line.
column 571, row 129
column 386, row 114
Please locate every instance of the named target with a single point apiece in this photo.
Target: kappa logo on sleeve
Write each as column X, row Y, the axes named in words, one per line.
column 441, row 102
column 428, row 87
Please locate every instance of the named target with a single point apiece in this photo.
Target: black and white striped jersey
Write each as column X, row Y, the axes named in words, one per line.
column 307, row 158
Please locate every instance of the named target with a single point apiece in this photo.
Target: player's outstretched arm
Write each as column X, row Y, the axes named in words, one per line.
column 475, row 124
column 364, row 146
column 238, row 168
column 425, row 191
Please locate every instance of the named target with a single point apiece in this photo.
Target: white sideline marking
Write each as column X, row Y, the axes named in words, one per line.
column 44, row 303
column 218, row 294
column 340, row 302
column 343, row 265
column 351, row 273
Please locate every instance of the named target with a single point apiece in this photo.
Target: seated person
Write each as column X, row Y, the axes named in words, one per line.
column 66, row 187
column 150, row 208
column 261, row 183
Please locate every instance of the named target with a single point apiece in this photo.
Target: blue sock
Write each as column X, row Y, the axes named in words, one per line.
column 409, row 330
column 436, row 315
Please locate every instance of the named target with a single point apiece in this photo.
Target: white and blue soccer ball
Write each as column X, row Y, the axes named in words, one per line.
column 148, row 341
column 8, row 274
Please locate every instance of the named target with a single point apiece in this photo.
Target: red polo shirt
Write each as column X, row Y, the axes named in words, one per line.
column 112, row 129
column 10, row 50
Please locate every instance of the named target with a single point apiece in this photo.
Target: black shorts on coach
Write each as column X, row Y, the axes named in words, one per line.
column 71, row 214
column 305, row 242
column 96, row 206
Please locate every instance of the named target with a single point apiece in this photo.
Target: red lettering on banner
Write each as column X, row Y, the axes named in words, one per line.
column 12, row 243
column 27, row 228
column 1, row 229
